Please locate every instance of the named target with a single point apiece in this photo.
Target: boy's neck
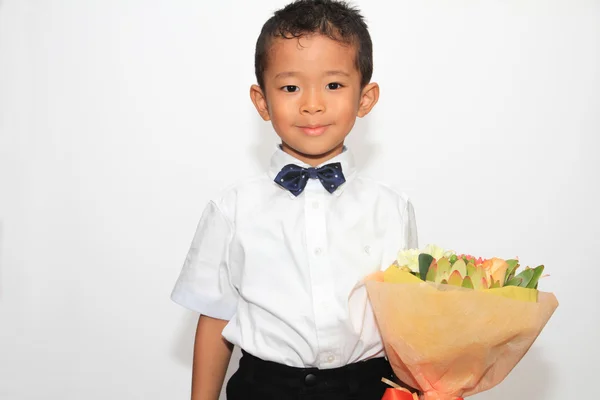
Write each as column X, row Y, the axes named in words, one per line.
column 313, row 159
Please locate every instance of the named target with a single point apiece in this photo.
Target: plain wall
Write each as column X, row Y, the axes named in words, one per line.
column 120, row 119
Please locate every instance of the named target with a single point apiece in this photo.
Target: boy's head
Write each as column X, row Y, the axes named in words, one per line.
column 333, row 19
column 313, row 64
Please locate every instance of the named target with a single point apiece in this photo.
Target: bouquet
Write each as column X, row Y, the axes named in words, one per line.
column 456, row 325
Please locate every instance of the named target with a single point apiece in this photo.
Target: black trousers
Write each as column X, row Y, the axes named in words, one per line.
column 265, row 380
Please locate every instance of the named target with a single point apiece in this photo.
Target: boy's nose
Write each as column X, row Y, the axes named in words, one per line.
column 312, row 104
column 312, row 109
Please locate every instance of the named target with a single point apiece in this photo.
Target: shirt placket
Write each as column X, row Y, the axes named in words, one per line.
column 322, row 279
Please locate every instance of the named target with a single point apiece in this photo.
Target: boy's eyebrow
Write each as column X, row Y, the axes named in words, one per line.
column 287, row 74
column 290, row 74
column 337, row 72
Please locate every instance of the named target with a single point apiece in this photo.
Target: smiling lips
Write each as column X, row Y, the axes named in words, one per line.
column 314, row 130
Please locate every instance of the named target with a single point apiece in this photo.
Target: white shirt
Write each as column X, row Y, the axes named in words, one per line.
column 286, row 271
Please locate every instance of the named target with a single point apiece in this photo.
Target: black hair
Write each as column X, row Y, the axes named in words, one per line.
column 334, row 19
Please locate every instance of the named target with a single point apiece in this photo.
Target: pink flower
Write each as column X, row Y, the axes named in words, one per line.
column 476, row 261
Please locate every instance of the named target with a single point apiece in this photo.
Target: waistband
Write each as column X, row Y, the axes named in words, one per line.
column 368, row 369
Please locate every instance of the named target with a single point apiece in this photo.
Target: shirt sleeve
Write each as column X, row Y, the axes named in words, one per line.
column 204, row 283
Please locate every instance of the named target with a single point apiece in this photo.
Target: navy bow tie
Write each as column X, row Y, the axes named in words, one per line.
column 293, row 177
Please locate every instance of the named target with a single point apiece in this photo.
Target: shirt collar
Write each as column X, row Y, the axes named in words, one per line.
column 280, row 159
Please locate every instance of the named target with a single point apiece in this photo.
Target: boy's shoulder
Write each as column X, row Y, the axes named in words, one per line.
column 228, row 199
column 390, row 198
column 392, row 191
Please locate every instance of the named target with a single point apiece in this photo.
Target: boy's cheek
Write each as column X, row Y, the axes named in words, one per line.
column 284, row 111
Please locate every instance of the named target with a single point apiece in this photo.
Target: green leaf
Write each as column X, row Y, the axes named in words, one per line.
column 453, row 258
column 444, row 282
column 471, row 269
column 477, row 277
column 461, row 267
column 516, row 281
column 537, row 273
column 456, row 279
column 510, row 271
column 432, row 273
column 494, row 284
column 484, row 283
column 440, row 277
column 526, row 276
column 467, row 282
column 425, row 261
column 444, row 266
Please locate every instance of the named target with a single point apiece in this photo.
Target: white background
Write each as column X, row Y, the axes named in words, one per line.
column 119, row 119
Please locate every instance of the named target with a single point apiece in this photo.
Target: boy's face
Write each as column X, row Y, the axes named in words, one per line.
column 312, row 95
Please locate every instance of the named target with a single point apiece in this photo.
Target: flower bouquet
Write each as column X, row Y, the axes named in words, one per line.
column 455, row 325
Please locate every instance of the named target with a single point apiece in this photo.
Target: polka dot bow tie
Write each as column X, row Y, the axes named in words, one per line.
column 294, row 178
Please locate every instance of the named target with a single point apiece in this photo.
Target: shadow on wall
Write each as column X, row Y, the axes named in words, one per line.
column 363, row 150
column 532, row 379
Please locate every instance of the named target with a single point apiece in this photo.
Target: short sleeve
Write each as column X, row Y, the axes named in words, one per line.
column 204, row 282
column 410, row 226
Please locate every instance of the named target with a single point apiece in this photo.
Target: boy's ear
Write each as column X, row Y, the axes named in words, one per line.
column 368, row 98
column 260, row 102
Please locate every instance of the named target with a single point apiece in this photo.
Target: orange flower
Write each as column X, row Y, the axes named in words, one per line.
column 496, row 267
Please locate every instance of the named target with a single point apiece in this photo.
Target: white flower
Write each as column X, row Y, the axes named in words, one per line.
column 437, row 252
column 409, row 258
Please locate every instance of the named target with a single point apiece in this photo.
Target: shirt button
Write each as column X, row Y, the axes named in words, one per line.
column 318, row 251
column 310, row 380
column 368, row 249
column 331, row 359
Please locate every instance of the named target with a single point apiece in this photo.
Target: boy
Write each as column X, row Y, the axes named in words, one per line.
column 276, row 262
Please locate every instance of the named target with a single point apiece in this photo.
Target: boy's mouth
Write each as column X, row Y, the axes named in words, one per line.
column 314, row 130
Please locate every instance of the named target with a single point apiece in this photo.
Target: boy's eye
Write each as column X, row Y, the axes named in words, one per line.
column 290, row 88
column 334, row 86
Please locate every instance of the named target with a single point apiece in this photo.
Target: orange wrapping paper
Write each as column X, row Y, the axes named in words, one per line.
column 452, row 342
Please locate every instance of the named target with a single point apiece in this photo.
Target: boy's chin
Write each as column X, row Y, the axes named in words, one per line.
column 313, row 152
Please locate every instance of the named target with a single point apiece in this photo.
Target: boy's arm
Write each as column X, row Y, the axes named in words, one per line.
column 211, row 359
